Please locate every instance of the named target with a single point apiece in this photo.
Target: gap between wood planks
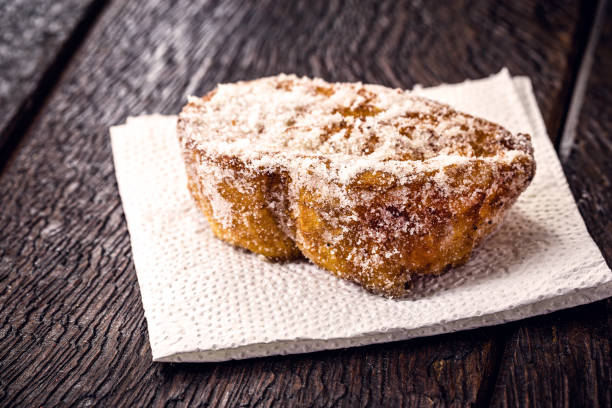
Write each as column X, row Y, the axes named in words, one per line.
column 568, row 129
column 29, row 110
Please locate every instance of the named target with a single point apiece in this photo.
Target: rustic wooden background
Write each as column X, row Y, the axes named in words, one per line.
column 72, row 330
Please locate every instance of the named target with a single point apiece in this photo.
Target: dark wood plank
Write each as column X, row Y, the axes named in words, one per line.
column 384, row 375
column 561, row 359
column 72, row 329
column 36, row 38
column 565, row 359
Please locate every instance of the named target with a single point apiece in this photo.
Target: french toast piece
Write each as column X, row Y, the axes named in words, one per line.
column 373, row 184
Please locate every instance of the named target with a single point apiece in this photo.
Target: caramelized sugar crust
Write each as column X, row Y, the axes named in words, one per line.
column 373, row 184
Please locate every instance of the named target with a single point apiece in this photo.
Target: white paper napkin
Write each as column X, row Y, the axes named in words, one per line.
column 207, row 301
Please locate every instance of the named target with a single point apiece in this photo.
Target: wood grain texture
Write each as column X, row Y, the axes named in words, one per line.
column 36, row 36
column 562, row 359
column 72, row 330
column 565, row 358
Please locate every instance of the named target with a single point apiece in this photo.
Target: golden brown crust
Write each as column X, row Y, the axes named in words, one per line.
column 418, row 208
column 257, row 228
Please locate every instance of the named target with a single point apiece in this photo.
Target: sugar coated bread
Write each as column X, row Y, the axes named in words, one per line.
column 373, row 184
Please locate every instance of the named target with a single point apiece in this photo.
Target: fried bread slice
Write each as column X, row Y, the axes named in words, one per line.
column 373, row 184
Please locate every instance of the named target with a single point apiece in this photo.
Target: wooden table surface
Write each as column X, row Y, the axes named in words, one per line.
column 72, row 329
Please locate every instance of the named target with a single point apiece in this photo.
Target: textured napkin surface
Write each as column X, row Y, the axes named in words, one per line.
column 207, row 301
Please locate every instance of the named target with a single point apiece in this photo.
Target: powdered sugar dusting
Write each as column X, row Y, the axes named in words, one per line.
column 289, row 121
column 344, row 143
